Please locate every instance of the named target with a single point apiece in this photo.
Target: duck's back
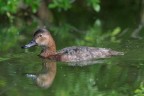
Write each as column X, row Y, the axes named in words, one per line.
column 79, row 53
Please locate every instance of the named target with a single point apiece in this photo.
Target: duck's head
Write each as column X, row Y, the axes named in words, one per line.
column 41, row 38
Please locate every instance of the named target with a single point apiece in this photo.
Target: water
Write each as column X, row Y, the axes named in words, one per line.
column 23, row 73
column 116, row 76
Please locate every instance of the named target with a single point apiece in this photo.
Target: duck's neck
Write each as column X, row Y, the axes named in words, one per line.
column 50, row 49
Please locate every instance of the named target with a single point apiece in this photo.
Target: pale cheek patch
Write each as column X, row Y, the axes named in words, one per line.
column 41, row 41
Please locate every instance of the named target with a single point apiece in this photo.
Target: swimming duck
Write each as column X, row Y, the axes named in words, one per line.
column 43, row 38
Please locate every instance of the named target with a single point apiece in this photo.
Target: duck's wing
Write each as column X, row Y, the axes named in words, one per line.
column 87, row 53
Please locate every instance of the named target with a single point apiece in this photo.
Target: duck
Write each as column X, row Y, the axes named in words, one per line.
column 43, row 38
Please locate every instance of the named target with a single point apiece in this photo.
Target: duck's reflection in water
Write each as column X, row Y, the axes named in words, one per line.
column 46, row 77
column 86, row 62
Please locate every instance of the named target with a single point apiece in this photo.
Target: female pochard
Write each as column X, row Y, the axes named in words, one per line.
column 43, row 38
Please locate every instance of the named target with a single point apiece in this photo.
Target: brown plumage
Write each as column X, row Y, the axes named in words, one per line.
column 44, row 39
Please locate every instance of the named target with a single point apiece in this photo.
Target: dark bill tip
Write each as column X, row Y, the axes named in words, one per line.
column 23, row 47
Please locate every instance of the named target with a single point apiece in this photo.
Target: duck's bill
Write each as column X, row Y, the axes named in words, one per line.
column 32, row 43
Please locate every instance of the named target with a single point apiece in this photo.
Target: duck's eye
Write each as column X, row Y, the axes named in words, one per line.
column 40, row 35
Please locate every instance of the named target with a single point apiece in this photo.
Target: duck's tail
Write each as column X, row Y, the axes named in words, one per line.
column 114, row 53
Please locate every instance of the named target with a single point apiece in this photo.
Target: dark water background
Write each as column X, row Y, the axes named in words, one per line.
column 113, row 27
